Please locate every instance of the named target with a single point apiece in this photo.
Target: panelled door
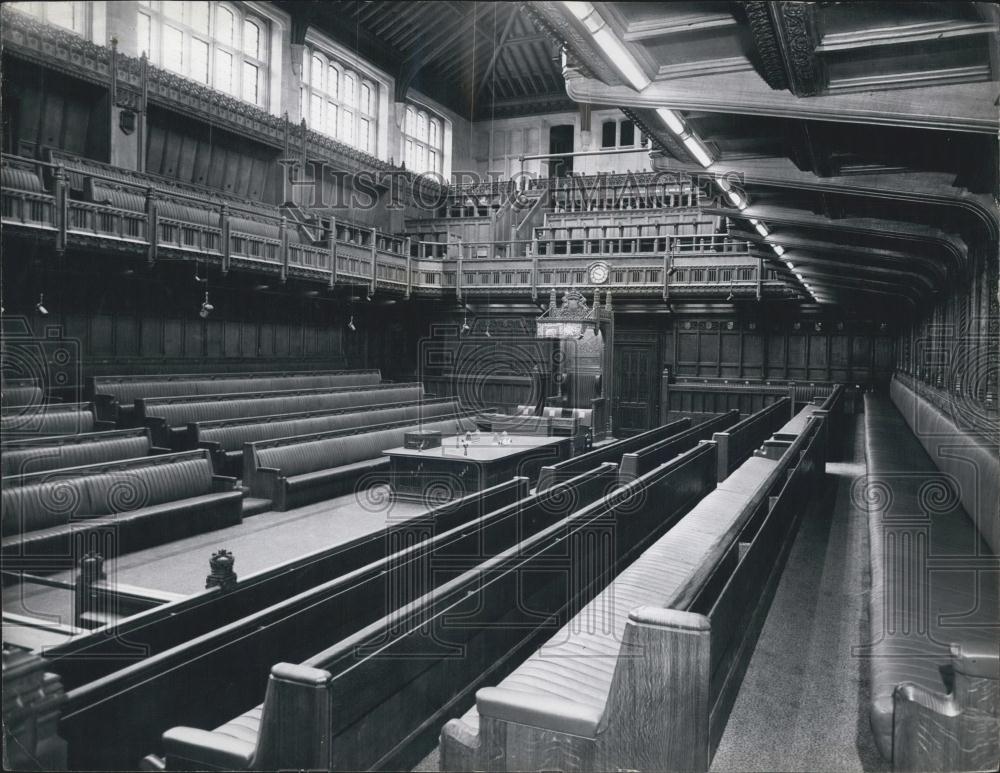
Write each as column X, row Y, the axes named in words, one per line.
column 635, row 388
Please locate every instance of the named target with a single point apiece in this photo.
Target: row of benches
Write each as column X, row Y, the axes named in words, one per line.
column 362, row 702
column 114, row 396
column 932, row 493
column 185, row 638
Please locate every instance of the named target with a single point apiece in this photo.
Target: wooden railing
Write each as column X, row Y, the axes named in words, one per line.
column 149, row 218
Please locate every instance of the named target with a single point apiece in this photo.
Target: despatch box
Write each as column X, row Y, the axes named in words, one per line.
column 422, row 440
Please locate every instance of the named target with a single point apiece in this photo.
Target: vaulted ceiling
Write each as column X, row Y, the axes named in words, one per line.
column 481, row 59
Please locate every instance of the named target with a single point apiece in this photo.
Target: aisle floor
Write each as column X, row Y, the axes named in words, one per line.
column 803, row 702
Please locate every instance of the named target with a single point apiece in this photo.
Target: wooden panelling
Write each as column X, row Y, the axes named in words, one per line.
column 197, row 153
column 792, row 349
column 43, row 109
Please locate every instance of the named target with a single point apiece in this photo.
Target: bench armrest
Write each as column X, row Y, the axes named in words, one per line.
column 103, row 426
column 979, row 661
column 223, row 483
column 185, row 745
column 156, row 450
column 553, row 714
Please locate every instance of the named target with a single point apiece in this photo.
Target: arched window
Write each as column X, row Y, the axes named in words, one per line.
column 342, row 103
column 217, row 44
column 423, row 141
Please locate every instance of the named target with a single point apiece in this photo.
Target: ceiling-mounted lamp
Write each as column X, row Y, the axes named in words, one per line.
column 198, row 278
column 206, row 307
column 790, row 265
column 487, row 332
column 671, row 119
column 616, row 53
column 731, row 295
column 350, row 324
column 368, row 296
column 40, row 306
column 698, row 150
column 761, row 229
column 465, row 325
column 778, row 249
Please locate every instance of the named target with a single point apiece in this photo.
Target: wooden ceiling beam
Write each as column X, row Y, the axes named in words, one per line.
column 497, row 48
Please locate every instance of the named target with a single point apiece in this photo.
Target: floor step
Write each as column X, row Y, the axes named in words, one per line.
column 253, row 506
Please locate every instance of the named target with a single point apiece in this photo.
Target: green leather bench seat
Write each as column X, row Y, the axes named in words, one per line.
column 22, row 394
column 229, row 438
column 926, row 592
column 144, row 501
column 52, row 453
column 294, row 472
column 117, row 393
column 578, row 663
column 169, row 417
column 29, row 421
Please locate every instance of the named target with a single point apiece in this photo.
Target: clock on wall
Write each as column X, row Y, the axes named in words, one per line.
column 599, row 272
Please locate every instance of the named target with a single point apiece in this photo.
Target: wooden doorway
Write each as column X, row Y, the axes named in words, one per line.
column 635, row 387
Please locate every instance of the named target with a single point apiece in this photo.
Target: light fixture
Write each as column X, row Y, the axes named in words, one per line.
column 350, row 325
column 778, row 249
column 40, row 306
column 487, row 332
column 206, row 307
column 698, row 150
column 671, row 119
column 797, row 274
column 612, row 48
column 761, row 229
column 465, row 324
column 198, row 278
column 790, row 265
column 736, row 199
column 368, row 297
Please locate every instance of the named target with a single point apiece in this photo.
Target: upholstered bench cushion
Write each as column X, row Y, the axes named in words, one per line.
column 577, row 664
column 316, row 477
column 41, row 421
column 136, row 529
column 18, row 461
column 917, row 610
column 245, row 727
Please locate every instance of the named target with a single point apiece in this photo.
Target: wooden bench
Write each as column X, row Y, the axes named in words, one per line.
column 140, row 636
column 740, row 440
column 231, row 660
column 225, row 438
column 612, row 452
column 366, row 700
column 115, row 507
column 32, row 421
column 18, row 457
column 114, row 396
column 303, row 469
column 168, row 417
column 934, row 533
column 637, row 463
column 644, row 677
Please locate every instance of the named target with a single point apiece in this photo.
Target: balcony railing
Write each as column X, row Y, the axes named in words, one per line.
column 236, row 237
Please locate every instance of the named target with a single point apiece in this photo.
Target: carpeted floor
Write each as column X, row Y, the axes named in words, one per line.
column 802, row 705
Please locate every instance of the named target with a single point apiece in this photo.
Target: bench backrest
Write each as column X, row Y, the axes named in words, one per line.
column 737, row 442
column 637, row 463
column 46, row 499
column 126, row 389
column 957, row 446
column 20, row 393
column 520, row 425
column 171, row 624
column 180, row 411
column 611, row 452
column 19, row 457
column 232, row 435
column 233, row 660
column 376, row 688
column 53, row 419
column 298, row 456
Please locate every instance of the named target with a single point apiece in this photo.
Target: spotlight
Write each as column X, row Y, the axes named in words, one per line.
column 206, row 308
column 40, row 306
column 350, row 325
